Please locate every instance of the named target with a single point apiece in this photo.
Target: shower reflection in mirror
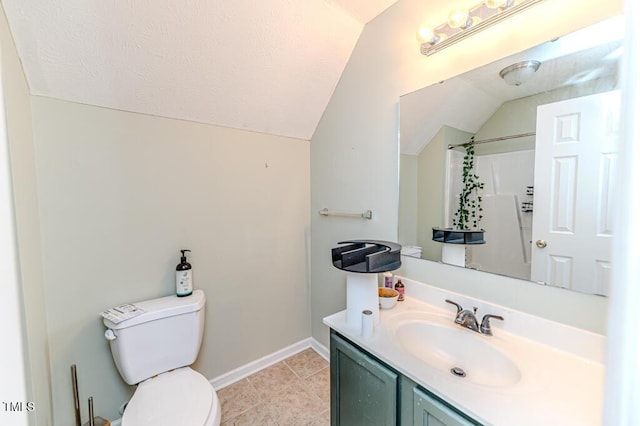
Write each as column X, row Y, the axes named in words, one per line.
column 499, row 111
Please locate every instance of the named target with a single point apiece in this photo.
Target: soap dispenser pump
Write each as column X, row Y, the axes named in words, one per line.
column 184, row 281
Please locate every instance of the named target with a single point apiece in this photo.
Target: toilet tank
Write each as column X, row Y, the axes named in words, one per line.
column 166, row 336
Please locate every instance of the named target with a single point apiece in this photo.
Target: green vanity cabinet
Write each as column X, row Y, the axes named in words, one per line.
column 365, row 391
column 430, row 411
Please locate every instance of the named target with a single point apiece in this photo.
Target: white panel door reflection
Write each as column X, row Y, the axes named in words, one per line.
column 576, row 153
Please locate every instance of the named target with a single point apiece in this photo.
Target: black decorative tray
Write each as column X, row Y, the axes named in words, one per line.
column 367, row 256
column 458, row 236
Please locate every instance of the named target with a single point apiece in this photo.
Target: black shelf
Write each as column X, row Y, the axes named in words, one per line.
column 367, row 256
column 458, row 236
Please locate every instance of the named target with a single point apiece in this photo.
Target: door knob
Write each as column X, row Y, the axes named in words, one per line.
column 541, row 243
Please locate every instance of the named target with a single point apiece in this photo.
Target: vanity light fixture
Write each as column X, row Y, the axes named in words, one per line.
column 462, row 23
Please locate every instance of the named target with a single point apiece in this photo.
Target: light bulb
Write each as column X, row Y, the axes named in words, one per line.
column 494, row 4
column 426, row 35
column 459, row 18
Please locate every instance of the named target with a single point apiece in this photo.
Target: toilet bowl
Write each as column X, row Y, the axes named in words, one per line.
column 178, row 397
column 154, row 351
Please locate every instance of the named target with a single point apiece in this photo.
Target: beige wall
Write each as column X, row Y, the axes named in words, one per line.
column 431, row 162
column 18, row 114
column 121, row 193
column 408, row 200
column 354, row 150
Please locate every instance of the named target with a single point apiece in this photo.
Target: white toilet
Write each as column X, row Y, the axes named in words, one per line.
column 154, row 351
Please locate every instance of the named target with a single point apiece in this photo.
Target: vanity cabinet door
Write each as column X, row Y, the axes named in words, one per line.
column 429, row 411
column 363, row 390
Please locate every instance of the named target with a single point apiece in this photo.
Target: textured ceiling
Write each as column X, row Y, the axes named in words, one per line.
column 267, row 66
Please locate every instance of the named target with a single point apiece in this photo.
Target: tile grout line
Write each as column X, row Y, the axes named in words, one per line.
column 284, row 361
column 251, row 407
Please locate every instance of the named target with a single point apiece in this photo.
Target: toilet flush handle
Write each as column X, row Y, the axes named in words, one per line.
column 109, row 334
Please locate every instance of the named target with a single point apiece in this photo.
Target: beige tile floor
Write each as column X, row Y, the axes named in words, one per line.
column 293, row 392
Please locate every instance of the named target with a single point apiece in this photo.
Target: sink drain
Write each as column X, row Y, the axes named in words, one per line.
column 459, row 372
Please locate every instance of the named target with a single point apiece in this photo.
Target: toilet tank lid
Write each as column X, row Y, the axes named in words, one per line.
column 162, row 308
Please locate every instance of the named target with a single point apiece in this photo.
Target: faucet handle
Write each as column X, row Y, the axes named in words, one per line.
column 485, row 327
column 455, row 304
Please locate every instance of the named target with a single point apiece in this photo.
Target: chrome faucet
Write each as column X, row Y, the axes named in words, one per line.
column 485, row 326
column 467, row 319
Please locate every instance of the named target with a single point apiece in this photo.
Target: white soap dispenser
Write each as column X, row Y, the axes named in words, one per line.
column 184, row 279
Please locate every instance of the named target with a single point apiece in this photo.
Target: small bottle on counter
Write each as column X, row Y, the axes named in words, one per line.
column 388, row 279
column 400, row 290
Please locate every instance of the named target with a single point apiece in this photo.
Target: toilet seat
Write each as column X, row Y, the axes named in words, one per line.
column 178, row 397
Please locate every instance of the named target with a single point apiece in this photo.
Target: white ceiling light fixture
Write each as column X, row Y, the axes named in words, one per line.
column 520, row 72
column 462, row 23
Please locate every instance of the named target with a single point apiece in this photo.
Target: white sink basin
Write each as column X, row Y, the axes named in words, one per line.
column 447, row 347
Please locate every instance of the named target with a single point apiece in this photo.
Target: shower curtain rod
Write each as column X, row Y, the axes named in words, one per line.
column 501, row 138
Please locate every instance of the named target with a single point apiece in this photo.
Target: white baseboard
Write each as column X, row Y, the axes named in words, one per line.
column 321, row 349
column 116, row 422
column 266, row 361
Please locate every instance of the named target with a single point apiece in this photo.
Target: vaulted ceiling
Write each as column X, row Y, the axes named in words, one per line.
column 267, row 66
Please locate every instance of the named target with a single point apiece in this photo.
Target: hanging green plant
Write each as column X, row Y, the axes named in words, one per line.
column 469, row 213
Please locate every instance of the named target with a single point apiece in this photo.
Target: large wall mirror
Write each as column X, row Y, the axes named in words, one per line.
column 545, row 138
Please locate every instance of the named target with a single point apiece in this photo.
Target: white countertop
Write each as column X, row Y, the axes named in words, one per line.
column 562, row 370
